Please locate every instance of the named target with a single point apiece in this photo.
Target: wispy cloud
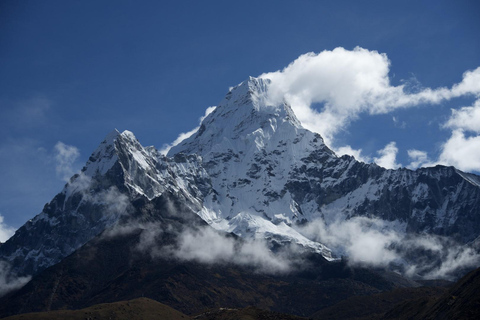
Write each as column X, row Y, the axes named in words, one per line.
column 398, row 123
column 363, row 241
column 418, row 159
column 27, row 170
column 9, row 281
column 5, row 231
column 208, row 246
column 114, row 202
column 388, row 156
column 26, row 113
column 65, row 157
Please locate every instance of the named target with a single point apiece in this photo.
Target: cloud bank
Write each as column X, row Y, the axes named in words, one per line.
column 209, row 246
column 363, row 241
column 375, row 242
column 329, row 90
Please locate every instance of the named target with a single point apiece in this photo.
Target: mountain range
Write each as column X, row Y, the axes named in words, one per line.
column 253, row 203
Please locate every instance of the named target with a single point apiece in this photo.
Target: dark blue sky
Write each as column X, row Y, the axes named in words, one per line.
column 72, row 71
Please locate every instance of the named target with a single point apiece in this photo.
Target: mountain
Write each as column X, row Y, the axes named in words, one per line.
column 460, row 302
column 265, row 166
column 252, row 170
column 146, row 309
column 115, row 266
column 140, row 261
column 117, row 173
column 140, row 308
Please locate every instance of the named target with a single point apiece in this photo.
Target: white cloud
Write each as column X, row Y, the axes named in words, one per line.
column 379, row 243
column 467, row 118
column 340, row 79
column 357, row 153
column 115, row 202
column 363, row 240
column 388, row 156
column 419, row 159
column 461, row 151
column 470, row 84
column 5, row 231
column 185, row 135
column 208, row 246
column 348, row 83
column 65, row 157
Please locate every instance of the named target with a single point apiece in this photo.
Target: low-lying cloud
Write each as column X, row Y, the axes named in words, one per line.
column 8, row 281
column 363, row 241
column 375, row 242
column 115, row 203
column 209, row 246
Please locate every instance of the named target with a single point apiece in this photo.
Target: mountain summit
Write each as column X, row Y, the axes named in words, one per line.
column 242, row 122
column 252, row 170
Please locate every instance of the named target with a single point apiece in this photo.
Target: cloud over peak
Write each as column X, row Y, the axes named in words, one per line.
column 331, row 89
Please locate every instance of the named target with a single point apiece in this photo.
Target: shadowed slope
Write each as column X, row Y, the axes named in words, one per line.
column 112, row 268
column 462, row 301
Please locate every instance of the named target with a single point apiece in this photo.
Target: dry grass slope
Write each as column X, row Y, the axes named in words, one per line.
column 141, row 308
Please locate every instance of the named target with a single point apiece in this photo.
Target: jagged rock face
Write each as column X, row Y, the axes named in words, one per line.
column 250, row 169
column 118, row 172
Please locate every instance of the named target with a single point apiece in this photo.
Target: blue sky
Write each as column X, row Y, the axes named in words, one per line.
column 72, row 71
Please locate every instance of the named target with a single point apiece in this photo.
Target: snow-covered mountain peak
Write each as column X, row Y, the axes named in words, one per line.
column 106, row 155
column 254, row 90
column 250, row 169
column 245, row 121
column 251, row 149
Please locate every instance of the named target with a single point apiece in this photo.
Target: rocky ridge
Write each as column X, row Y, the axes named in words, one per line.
column 251, row 169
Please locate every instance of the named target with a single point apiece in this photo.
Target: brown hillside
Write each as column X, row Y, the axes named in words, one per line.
column 141, row 308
